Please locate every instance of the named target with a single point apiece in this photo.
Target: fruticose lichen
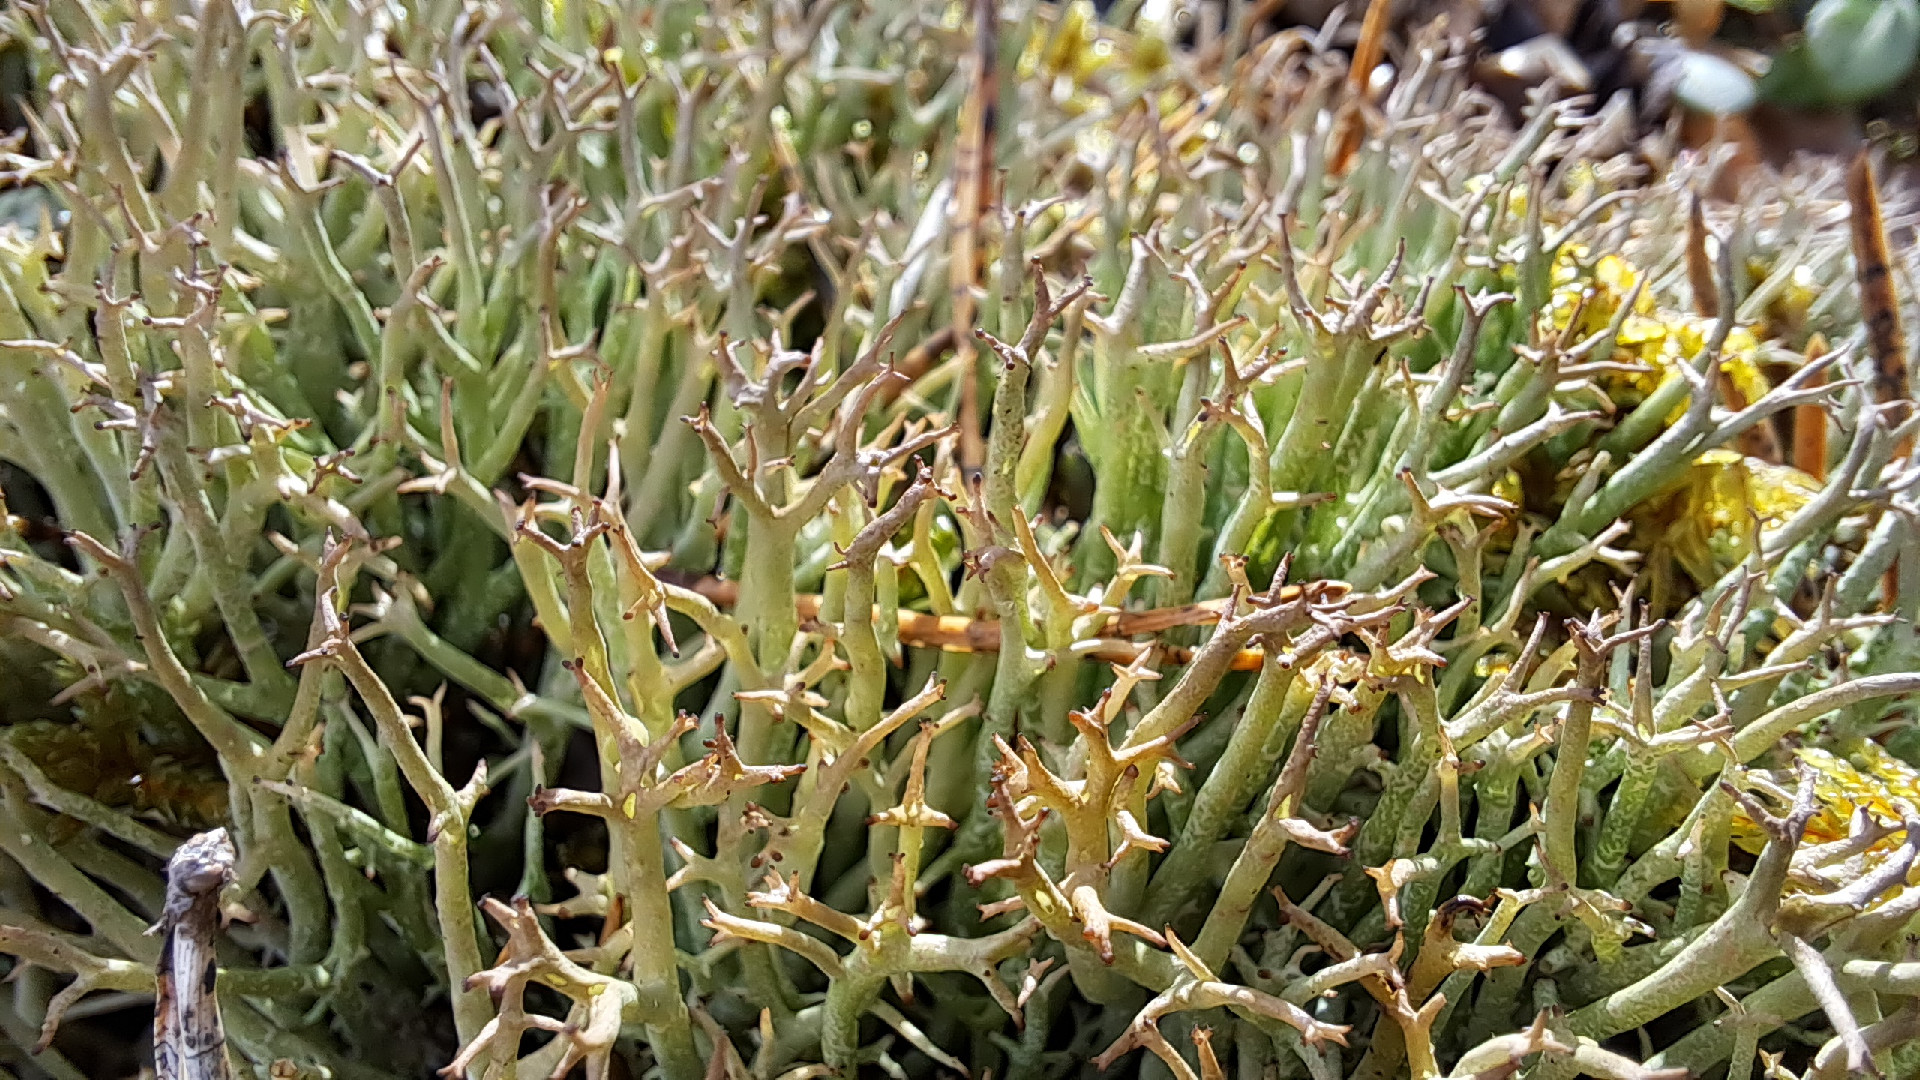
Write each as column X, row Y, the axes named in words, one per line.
column 800, row 539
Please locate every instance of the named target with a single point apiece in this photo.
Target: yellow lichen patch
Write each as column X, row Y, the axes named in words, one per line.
column 1790, row 302
column 1492, row 666
column 1076, row 54
column 1511, row 487
column 1709, row 522
column 1608, row 284
column 1066, row 47
column 1873, row 780
column 1516, row 197
column 1654, row 338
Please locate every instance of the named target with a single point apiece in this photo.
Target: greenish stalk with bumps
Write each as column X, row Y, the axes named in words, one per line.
column 509, row 464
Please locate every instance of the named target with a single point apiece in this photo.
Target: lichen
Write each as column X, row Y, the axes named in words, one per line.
column 695, row 539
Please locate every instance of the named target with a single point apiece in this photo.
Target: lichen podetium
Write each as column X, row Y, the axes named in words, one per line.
column 789, row 539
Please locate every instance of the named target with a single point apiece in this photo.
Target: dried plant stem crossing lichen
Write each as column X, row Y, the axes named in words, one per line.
column 189, row 1042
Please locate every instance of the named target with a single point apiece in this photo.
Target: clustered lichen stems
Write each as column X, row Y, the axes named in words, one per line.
column 1384, row 635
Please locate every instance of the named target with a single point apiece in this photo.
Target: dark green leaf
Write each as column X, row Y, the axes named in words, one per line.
column 1794, row 80
column 1863, row 46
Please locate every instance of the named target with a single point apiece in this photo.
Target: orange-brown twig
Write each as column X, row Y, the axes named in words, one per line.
column 972, row 194
column 1367, row 53
column 1879, row 307
column 1810, row 423
column 957, row 633
column 1880, row 310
